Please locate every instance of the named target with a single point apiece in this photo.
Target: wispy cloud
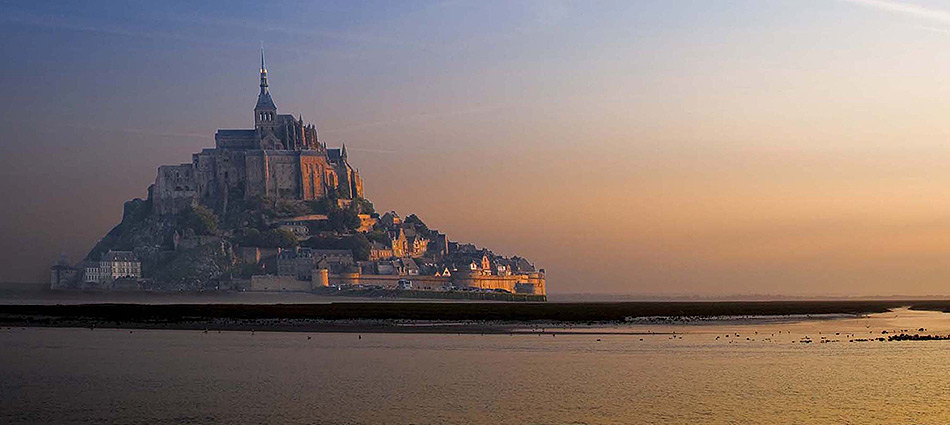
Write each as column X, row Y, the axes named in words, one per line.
column 907, row 9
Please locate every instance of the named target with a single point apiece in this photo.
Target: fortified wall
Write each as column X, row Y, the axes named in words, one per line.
column 531, row 283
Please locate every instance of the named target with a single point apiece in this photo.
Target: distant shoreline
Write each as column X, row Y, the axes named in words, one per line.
column 439, row 317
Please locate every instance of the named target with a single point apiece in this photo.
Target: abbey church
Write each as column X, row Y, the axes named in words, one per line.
column 281, row 157
column 205, row 225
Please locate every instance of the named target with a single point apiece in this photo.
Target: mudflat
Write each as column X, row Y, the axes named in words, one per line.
column 436, row 317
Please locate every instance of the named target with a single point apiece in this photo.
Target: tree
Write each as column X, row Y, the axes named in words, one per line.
column 200, row 219
column 321, row 206
column 290, row 208
column 344, row 220
column 271, row 238
column 359, row 246
column 278, row 238
column 364, row 206
column 380, row 236
column 264, row 205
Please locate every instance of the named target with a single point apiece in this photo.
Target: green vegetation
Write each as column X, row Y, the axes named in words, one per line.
column 357, row 244
column 270, row 208
column 270, row 238
column 196, row 268
column 364, row 206
column 199, row 219
column 344, row 220
column 162, row 241
column 379, row 235
column 290, row 208
column 321, row 206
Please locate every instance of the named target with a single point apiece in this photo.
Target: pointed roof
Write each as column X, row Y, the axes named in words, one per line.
column 264, row 100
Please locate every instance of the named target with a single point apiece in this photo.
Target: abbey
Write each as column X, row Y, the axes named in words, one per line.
column 239, row 217
column 281, row 157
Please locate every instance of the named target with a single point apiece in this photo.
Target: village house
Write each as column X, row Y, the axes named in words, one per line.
column 113, row 265
column 379, row 251
column 301, row 262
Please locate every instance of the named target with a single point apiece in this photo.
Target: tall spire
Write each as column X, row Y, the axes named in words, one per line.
column 264, row 101
column 263, row 73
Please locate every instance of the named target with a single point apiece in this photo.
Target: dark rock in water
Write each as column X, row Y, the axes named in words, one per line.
column 917, row 337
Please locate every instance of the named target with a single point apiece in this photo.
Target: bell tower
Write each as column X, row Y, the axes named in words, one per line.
column 265, row 113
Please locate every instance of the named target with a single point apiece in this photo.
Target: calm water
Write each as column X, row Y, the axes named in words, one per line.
column 98, row 376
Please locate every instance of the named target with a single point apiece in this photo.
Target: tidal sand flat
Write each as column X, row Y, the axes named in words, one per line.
column 407, row 317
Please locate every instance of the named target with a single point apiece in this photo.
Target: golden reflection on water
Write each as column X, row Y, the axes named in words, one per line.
column 697, row 375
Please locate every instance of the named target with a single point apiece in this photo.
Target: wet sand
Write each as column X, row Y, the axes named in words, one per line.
column 439, row 317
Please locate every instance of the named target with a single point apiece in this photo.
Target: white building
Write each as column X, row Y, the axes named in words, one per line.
column 113, row 265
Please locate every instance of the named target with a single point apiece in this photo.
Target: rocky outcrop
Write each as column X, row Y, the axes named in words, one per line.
column 177, row 251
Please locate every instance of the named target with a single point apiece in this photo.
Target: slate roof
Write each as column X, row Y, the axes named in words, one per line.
column 119, row 256
column 408, row 263
column 264, row 101
column 333, row 252
column 242, row 134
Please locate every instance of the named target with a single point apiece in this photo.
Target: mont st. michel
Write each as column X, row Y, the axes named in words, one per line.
column 273, row 208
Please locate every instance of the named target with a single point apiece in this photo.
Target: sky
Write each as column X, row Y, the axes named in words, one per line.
column 664, row 147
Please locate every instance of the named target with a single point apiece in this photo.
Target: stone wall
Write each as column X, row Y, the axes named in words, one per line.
column 175, row 188
column 522, row 283
column 279, row 283
column 312, row 169
column 255, row 163
column 391, row 281
column 283, row 169
column 215, row 173
column 531, row 284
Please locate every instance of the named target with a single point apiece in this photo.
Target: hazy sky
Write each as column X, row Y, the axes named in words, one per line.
column 650, row 147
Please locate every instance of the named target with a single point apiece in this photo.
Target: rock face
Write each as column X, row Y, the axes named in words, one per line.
column 203, row 249
column 177, row 251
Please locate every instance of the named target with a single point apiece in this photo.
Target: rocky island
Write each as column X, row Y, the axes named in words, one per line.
column 273, row 208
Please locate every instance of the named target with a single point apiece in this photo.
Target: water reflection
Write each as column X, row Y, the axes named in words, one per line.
column 715, row 372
